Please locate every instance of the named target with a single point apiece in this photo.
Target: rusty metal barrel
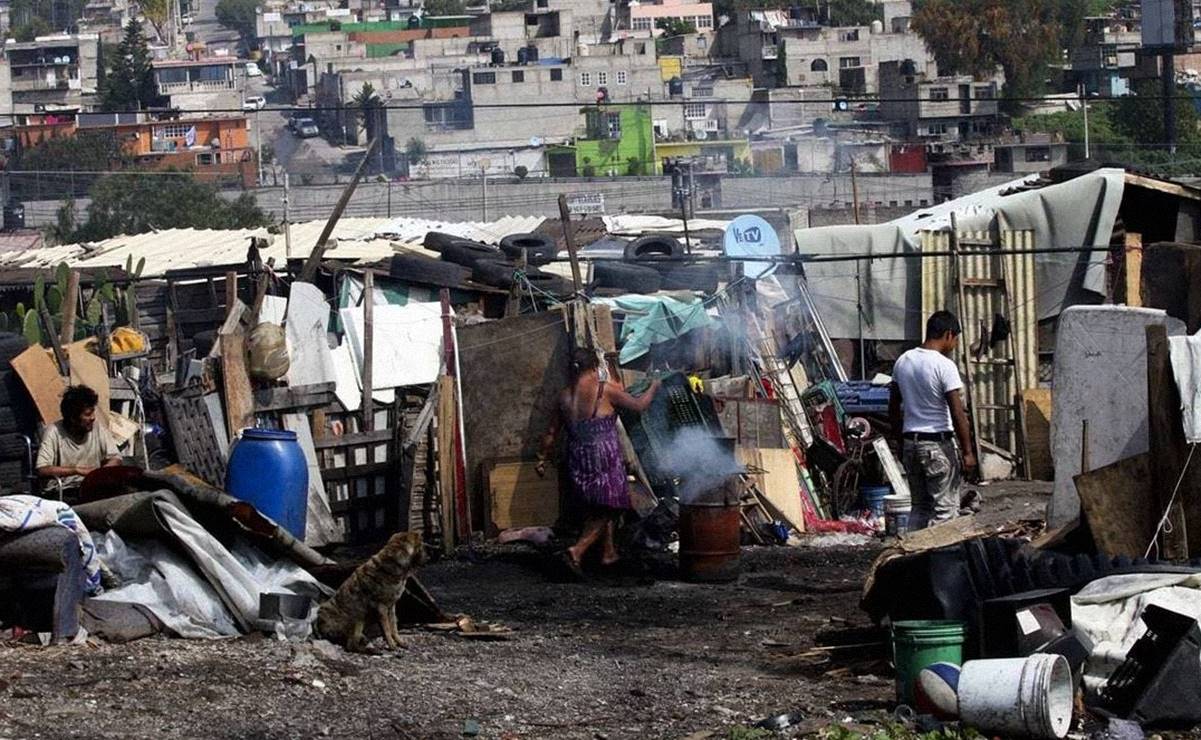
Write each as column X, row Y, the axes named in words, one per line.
column 710, row 541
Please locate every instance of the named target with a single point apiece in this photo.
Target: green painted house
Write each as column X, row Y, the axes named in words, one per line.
column 620, row 140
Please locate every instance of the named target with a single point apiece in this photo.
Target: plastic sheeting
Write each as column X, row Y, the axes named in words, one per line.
column 213, row 591
column 650, row 320
column 407, row 347
column 1079, row 212
column 1108, row 611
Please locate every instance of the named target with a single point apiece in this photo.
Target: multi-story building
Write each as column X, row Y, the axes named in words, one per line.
column 214, row 84
column 1030, row 153
column 1107, row 57
column 937, row 108
column 647, row 16
column 54, row 71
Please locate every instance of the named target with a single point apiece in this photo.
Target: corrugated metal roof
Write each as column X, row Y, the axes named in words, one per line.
column 410, row 232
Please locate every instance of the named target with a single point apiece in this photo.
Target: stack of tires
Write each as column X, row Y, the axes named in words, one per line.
column 498, row 266
column 656, row 262
column 18, row 419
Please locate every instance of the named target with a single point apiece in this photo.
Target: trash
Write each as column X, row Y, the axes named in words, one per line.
column 921, row 643
column 896, row 514
column 1159, row 684
column 471, row 728
column 534, row 535
column 1029, row 697
column 267, row 347
column 936, row 691
column 781, row 721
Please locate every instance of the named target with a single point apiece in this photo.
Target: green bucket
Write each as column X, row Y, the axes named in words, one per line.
column 917, row 644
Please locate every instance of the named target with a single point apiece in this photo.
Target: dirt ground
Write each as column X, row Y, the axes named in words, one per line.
column 633, row 656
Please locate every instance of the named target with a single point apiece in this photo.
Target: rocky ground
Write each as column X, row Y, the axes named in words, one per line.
column 633, row 656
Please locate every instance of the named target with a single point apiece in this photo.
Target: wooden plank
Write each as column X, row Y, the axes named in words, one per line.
column 60, row 357
column 40, row 376
column 355, row 471
column 1165, row 436
column 368, row 350
column 70, row 304
column 1118, row 503
column 294, row 397
column 200, row 315
column 780, row 483
column 231, row 291
column 1037, row 416
column 354, row 440
column 239, row 399
column 446, row 459
column 320, row 527
column 1171, row 188
column 519, row 497
column 1133, row 254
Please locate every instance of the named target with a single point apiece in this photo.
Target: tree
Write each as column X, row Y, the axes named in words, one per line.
column 365, row 104
column 976, row 36
column 36, row 26
column 416, row 151
column 675, row 27
column 239, row 15
column 86, row 151
column 157, row 12
column 836, row 12
column 129, row 84
column 445, row 7
column 134, row 204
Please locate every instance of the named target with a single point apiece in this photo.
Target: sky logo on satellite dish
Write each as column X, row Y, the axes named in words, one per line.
column 751, row 236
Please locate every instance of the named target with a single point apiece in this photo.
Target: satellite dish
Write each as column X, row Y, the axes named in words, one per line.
column 751, row 236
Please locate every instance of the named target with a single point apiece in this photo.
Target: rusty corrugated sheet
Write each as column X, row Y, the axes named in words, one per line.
column 992, row 384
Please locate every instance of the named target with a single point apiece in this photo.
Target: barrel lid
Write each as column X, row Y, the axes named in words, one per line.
column 276, row 435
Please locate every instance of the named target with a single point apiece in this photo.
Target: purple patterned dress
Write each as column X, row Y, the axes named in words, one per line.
column 595, row 464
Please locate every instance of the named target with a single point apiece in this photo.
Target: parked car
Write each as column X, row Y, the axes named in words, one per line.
column 252, row 70
column 254, row 102
column 306, row 128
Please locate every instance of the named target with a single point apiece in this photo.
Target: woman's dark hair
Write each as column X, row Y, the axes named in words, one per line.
column 583, row 360
column 76, row 399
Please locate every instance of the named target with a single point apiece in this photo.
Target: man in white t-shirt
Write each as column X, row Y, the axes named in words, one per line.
column 927, row 412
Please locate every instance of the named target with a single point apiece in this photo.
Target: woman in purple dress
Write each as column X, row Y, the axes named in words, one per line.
column 595, row 466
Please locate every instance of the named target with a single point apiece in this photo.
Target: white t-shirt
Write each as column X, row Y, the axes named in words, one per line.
column 925, row 377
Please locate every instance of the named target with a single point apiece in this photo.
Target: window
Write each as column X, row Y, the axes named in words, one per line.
column 602, row 78
column 640, row 49
column 659, row 126
column 819, row 65
column 939, row 93
column 642, row 24
column 936, row 129
column 205, row 159
column 702, row 91
column 1038, row 154
column 849, row 35
column 518, row 75
column 586, row 79
column 702, row 42
column 613, row 123
column 704, row 21
column 984, row 93
column 695, row 111
column 484, row 78
column 556, row 75
column 848, row 62
column 441, row 117
column 623, row 77
column 172, row 131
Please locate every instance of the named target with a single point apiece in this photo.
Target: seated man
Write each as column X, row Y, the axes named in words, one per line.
column 75, row 445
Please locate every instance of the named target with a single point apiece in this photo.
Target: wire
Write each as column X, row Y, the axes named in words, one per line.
column 1164, row 526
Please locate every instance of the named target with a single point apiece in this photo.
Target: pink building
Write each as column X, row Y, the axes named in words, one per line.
column 645, row 14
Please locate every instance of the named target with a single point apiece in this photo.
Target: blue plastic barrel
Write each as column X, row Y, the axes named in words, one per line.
column 873, row 498
column 267, row 469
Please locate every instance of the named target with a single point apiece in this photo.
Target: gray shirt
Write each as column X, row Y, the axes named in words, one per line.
column 61, row 449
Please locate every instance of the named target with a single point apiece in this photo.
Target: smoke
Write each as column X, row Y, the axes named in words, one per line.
column 701, row 463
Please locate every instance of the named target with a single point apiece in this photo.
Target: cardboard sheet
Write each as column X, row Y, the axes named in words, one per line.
column 40, row 376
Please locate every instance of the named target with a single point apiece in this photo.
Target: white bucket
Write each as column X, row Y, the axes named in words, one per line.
column 1028, row 697
column 896, row 514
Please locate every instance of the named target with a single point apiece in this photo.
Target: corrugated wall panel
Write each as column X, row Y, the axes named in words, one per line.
column 992, row 384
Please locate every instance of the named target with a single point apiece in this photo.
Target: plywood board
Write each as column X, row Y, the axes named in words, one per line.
column 88, row 369
column 446, row 458
column 1037, row 413
column 319, row 527
column 519, row 497
column 780, row 483
column 239, row 398
column 1119, row 504
column 40, row 376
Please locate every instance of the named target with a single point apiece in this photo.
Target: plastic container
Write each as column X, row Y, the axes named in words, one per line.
column 1017, row 697
column 267, row 469
column 896, row 514
column 873, row 498
column 917, row 644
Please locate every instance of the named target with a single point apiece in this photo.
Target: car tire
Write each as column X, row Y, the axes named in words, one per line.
column 13, row 447
column 539, row 249
column 654, row 247
column 634, row 278
column 421, row 269
column 11, row 345
column 692, row 277
column 437, row 240
column 466, row 253
column 497, row 273
column 13, row 476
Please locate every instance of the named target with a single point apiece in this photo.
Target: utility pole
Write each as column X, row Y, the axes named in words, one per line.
column 1084, row 107
column 681, row 191
column 484, row 165
column 258, row 144
column 854, row 192
column 287, row 223
column 1168, row 78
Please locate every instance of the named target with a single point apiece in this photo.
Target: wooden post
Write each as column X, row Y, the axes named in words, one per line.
column 569, row 240
column 447, row 460
column 70, row 304
column 1166, row 438
column 368, row 352
column 309, row 271
column 231, row 290
column 60, row 356
column 1134, row 269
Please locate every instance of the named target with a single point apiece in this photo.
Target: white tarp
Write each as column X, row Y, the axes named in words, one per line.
column 407, row 343
column 214, row 592
column 1076, row 213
